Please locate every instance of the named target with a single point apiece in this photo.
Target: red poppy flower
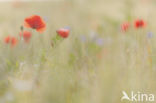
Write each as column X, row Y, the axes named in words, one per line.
column 35, row 22
column 10, row 40
column 139, row 23
column 125, row 26
column 7, row 39
column 64, row 33
column 26, row 36
column 13, row 41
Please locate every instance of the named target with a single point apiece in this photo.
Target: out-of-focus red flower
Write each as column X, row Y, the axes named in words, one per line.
column 10, row 40
column 125, row 26
column 7, row 39
column 13, row 41
column 35, row 22
column 64, row 33
column 26, row 35
column 139, row 23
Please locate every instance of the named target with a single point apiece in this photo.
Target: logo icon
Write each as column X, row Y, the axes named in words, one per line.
column 125, row 96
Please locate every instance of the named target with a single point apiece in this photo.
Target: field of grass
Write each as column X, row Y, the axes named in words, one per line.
column 94, row 64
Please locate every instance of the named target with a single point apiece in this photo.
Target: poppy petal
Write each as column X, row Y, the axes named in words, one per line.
column 41, row 30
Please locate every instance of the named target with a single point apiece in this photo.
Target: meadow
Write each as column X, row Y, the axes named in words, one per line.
column 107, row 46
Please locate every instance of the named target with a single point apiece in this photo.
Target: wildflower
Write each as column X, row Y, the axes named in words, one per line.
column 139, row 23
column 35, row 22
column 100, row 41
column 125, row 26
column 149, row 34
column 7, row 39
column 10, row 40
column 13, row 41
column 26, row 36
column 63, row 32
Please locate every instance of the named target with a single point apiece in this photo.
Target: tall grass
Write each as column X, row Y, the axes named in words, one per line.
column 93, row 65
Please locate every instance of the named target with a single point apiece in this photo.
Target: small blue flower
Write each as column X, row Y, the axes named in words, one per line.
column 67, row 27
column 99, row 41
column 149, row 34
column 83, row 38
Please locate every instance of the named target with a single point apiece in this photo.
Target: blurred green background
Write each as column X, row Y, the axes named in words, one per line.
column 94, row 65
